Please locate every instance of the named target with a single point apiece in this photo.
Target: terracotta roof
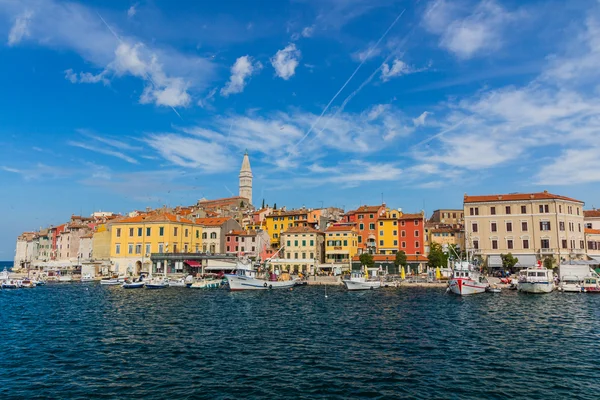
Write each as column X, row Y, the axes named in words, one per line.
column 592, row 231
column 235, row 200
column 411, row 216
column 154, row 218
column 302, row 229
column 290, row 212
column 368, row 209
column 340, row 228
column 517, row 197
column 88, row 236
column 391, row 257
column 212, row 221
column 591, row 213
column 234, row 233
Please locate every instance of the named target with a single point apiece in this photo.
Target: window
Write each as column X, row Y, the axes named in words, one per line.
column 416, row 233
column 564, row 243
column 545, row 243
column 581, row 244
column 509, row 243
column 493, row 210
column 138, row 248
column 140, row 230
column 474, row 227
column 130, row 231
column 561, row 225
column 403, row 234
column 577, row 210
column 303, row 244
column 304, row 256
column 205, row 235
column 416, row 222
column 288, row 243
column 197, row 234
column 541, row 208
column 186, row 232
column 371, row 216
column 509, row 227
column 148, row 231
column 161, row 231
column 312, row 242
column 417, row 244
column 175, row 229
column 523, row 209
column 118, row 232
column 476, row 244
column 130, row 248
column 474, row 210
column 118, row 249
column 161, row 247
column 361, row 226
column 380, row 233
column 275, row 226
column 494, row 227
column 395, row 243
column 228, row 249
column 296, row 256
column 380, row 223
column 360, row 239
column 525, row 243
column 546, row 208
column 371, row 226
column 507, row 209
column 360, row 216
column 295, row 243
column 495, row 244
column 395, row 223
column 312, row 255
column 381, row 242
column 579, row 226
column 395, row 233
column 403, row 245
column 544, row 225
column 560, row 208
column 213, row 235
column 524, row 226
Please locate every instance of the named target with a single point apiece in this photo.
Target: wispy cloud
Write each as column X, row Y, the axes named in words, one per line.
column 398, row 68
column 243, row 68
column 20, row 28
column 104, row 145
column 103, row 150
column 285, row 61
column 131, row 11
column 39, row 171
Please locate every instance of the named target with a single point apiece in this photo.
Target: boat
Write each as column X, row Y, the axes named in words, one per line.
column 246, row 278
column 467, row 280
column 493, row 289
column 536, row 280
column 570, row 284
column 27, row 283
column 133, row 285
column 87, row 278
column 182, row 282
column 361, row 281
column 10, row 284
column 591, row 284
column 65, row 278
column 157, row 283
column 206, row 284
column 111, row 281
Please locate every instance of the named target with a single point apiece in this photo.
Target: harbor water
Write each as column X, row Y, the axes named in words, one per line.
column 91, row 341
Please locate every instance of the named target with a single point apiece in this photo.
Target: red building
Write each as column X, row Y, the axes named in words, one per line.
column 365, row 218
column 411, row 232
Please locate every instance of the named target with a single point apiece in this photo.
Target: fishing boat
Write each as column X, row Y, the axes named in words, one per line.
column 87, row 278
column 361, row 281
column 591, row 284
column 467, row 280
column 570, row 284
column 246, row 278
column 536, row 280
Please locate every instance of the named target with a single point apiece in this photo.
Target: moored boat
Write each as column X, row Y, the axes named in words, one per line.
column 570, row 284
column 181, row 282
column 87, row 278
column 466, row 280
column 536, row 280
column 246, row 278
column 361, row 281
column 591, row 284
column 206, row 284
column 133, row 285
column 157, row 283
column 27, row 283
column 10, row 284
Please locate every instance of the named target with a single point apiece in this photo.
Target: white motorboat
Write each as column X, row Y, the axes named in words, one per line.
column 111, row 281
column 570, row 284
column 591, row 284
column 466, row 280
column 11, row 284
column 182, row 282
column 157, row 283
column 133, row 285
column 361, row 281
column 536, row 280
column 87, row 278
column 27, row 283
column 206, row 284
column 245, row 278
column 65, row 278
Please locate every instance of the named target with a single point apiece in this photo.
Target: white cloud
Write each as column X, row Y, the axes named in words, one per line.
column 368, row 53
column 351, row 174
column 105, row 145
column 86, row 77
column 420, row 120
column 103, row 150
column 285, row 61
column 241, row 70
column 308, row 31
column 398, row 68
column 20, row 29
column 572, row 167
column 468, row 34
column 132, row 11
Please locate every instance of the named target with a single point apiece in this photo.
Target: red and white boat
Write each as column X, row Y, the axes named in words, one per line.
column 466, row 280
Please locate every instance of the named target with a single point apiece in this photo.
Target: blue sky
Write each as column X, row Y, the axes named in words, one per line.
column 120, row 105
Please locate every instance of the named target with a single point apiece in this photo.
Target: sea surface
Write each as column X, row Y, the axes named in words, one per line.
column 6, row 264
column 85, row 341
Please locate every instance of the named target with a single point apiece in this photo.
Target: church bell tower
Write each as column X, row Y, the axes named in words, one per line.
column 246, row 179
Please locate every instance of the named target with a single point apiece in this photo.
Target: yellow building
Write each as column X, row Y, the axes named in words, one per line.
column 101, row 242
column 387, row 232
column 280, row 221
column 134, row 239
column 341, row 244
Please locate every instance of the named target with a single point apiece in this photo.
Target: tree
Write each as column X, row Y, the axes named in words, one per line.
column 508, row 261
column 275, row 206
column 263, row 204
column 242, row 204
column 400, row 259
column 437, row 257
column 366, row 259
column 549, row 262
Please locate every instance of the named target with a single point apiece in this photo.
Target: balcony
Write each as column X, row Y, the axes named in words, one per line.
column 548, row 251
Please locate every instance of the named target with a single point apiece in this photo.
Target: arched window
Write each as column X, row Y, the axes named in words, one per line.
column 204, row 236
column 213, row 235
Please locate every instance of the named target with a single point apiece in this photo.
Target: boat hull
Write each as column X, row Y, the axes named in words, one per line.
column 206, row 285
column 110, row 282
column 570, row 288
column 134, row 285
column 10, row 286
column 536, row 287
column 366, row 285
column 237, row 283
column 156, row 286
column 466, row 287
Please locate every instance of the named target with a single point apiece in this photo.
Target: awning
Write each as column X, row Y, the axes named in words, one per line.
column 494, row 262
column 221, row 267
column 595, row 258
column 195, row 264
column 526, row 260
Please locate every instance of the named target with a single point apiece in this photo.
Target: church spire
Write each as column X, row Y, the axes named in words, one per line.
column 246, row 178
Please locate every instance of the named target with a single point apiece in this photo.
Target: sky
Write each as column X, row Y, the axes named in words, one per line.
column 116, row 106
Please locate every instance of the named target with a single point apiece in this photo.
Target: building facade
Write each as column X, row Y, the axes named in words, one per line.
column 281, row 220
column 302, row 250
column 448, row 216
column 366, row 218
column 531, row 226
column 214, row 233
column 341, row 244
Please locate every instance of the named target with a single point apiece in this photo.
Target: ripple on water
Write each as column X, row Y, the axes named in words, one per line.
column 89, row 341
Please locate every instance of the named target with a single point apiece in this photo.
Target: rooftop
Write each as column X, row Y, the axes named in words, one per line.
column 591, row 213
column 302, row 229
column 411, row 216
column 340, row 228
column 212, row 221
column 517, row 197
column 592, row 231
